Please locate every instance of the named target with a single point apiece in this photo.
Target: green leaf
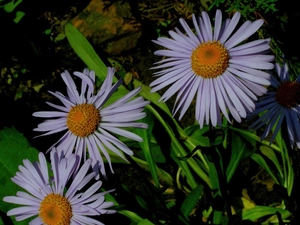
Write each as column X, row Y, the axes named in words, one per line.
column 252, row 136
column 191, row 200
column 261, row 161
column 19, row 16
column 135, row 218
column 260, row 211
column 218, row 140
column 86, row 52
column 238, row 153
column 214, row 175
column 1, row 222
column 269, row 153
column 163, row 175
column 288, row 170
column 153, row 97
column 142, row 202
column 157, row 154
column 145, row 145
column 196, row 135
column 10, row 6
column 145, row 222
column 14, row 148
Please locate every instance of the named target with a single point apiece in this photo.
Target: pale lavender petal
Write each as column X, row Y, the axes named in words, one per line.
column 230, row 27
column 218, row 23
column 245, row 31
column 71, row 87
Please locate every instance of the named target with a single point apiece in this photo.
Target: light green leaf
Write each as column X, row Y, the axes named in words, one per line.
column 145, row 222
column 261, row 211
column 86, row 52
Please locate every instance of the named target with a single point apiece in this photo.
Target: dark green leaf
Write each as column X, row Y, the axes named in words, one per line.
column 261, row 161
column 145, row 145
column 14, row 149
column 191, row 200
column 268, row 152
column 239, row 151
column 196, row 135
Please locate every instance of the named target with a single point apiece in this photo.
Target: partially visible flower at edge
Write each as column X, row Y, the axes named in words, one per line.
column 281, row 106
column 224, row 74
column 90, row 126
column 48, row 199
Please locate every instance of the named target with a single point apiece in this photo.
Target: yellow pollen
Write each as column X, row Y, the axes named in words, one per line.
column 210, row 59
column 288, row 94
column 55, row 210
column 83, row 119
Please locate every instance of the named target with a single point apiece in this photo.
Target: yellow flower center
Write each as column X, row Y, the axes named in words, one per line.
column 83, row 119
column 210, row 59
column 55, row 210
column 288, row 94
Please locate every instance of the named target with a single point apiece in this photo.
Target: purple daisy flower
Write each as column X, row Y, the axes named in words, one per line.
column 280, row 105
column 212, row 63
column 48, row 199
column 90, row 124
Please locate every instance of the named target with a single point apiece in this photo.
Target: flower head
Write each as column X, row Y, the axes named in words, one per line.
column 47, row 199
column 212, row 63
column 280, row 106
column 90, row 125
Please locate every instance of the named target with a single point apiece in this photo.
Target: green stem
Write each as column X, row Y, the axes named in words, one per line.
column 189, row 143
column 180, row 152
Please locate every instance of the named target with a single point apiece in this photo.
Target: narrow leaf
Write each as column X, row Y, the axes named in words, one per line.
column 190, row 201
column 261, row 211
column 85, row 51
column 260, row 160
column 145, row 145
column 145, row 222
column 252, row 136
column 268, row 152
column 239, row 152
